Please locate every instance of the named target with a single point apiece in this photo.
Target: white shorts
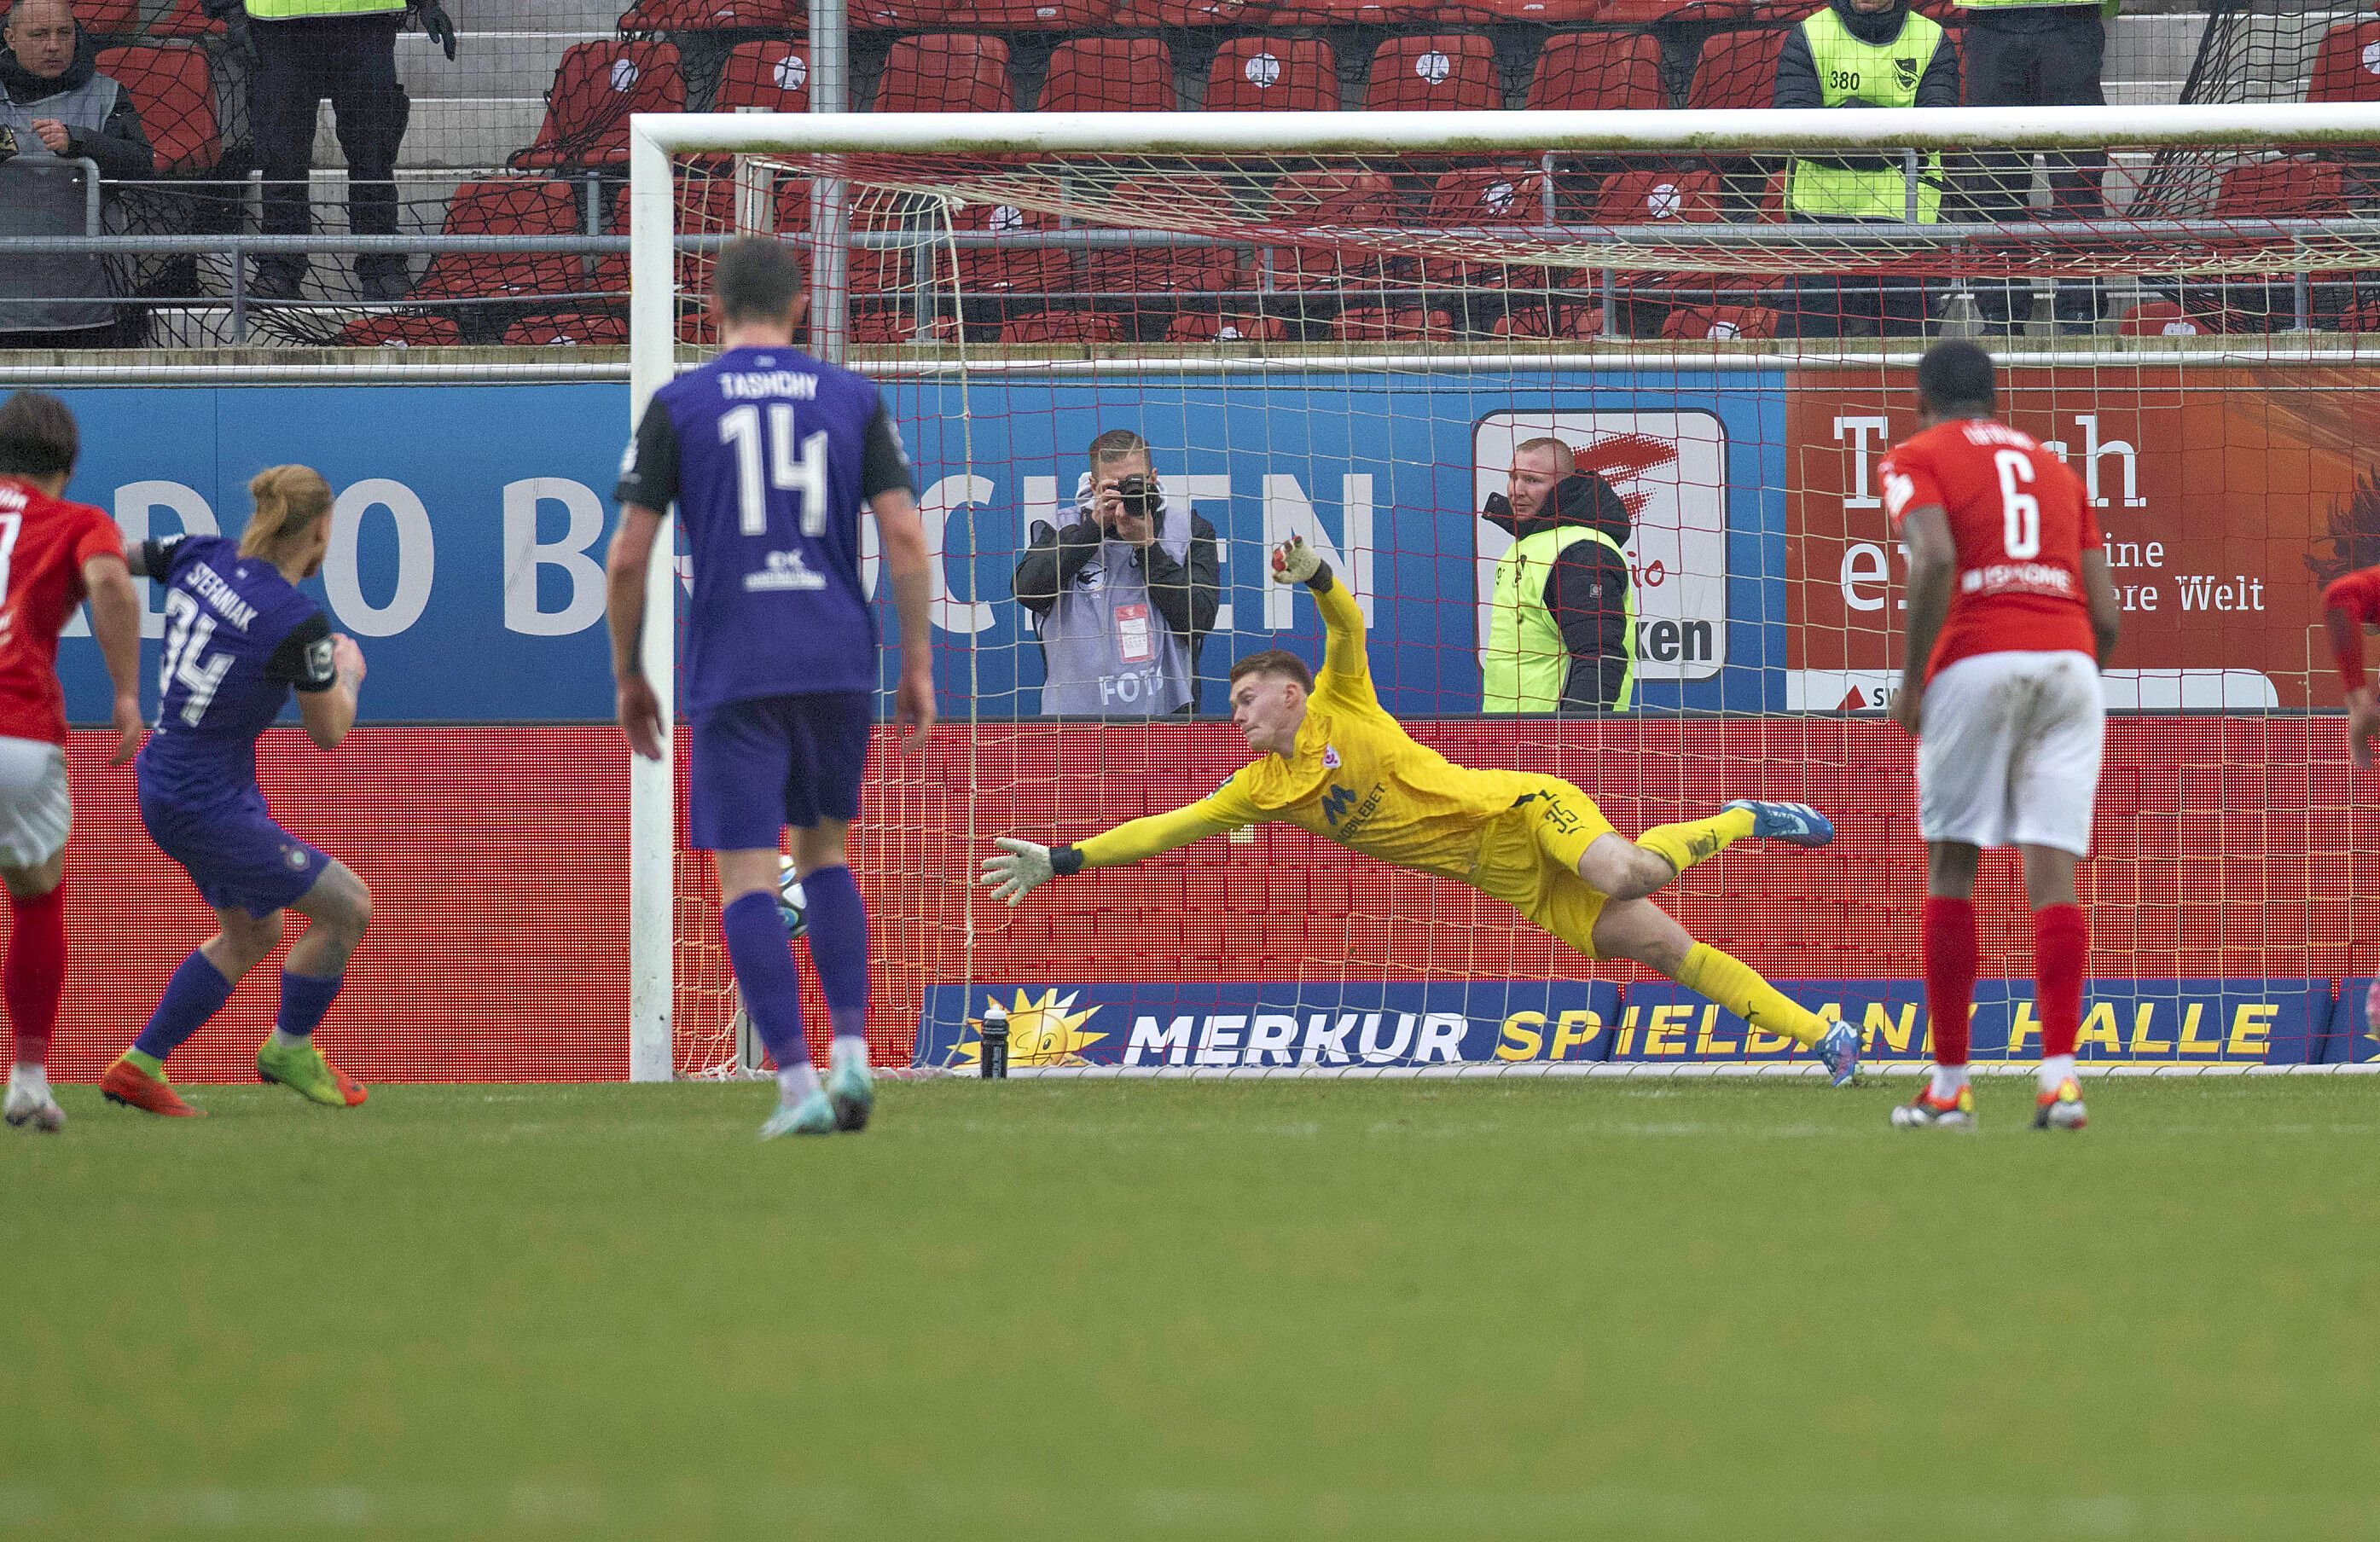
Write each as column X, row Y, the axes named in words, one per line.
column 2009, row 748
column 35, row 812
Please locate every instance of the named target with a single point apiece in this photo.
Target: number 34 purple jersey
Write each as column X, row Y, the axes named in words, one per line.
column 769, row 454
column 238, row 637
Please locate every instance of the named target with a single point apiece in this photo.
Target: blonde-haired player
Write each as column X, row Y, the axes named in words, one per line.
column 1335, row 763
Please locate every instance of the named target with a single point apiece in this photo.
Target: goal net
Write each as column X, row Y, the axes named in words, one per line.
column 1345, row 327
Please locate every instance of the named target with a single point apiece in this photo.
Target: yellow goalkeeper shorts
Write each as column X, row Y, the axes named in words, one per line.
column 1528, row 858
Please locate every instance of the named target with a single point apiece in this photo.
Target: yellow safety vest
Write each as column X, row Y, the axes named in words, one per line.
column 1883, row 75
column 1527, row 659
column 288, row 10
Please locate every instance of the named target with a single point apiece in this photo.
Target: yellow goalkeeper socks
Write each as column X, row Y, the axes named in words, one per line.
column 1739, row 988
column 1682, row 845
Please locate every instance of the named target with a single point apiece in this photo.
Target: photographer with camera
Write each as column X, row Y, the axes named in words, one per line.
column 1123, row 597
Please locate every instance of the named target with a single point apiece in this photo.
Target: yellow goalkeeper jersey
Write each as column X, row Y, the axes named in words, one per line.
column 1356, row 777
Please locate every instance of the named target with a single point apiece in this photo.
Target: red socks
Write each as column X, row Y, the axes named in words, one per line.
column 2062, row 941
column 33, row 976
column 1950, row 975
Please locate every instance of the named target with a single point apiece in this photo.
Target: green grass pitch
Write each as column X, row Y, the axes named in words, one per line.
column 1360, row 1310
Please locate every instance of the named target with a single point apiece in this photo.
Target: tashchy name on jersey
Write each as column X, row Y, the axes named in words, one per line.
column 756, row 383
column 2017, row 577
column 212, row 587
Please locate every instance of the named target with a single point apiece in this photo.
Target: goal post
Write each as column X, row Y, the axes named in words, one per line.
column 1420, row 346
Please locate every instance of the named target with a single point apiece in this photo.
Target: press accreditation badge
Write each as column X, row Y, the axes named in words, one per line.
column 1133, row 645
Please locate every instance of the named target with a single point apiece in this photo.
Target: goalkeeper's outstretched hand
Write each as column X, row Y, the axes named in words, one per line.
column 1021, row 868
column 1293, row 562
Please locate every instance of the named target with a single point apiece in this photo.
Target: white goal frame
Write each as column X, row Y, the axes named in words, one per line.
column 654, row 139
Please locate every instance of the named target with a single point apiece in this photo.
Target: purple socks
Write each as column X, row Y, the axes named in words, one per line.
column 762, row 957
column 197, row 993
column 839, row 947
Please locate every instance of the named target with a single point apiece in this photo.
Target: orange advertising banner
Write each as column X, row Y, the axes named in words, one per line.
column 2228, row 494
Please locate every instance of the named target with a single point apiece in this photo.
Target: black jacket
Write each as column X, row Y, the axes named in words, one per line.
column 1185, row 593
column 120, row 146
column 1797, row 72
column 1587, row 593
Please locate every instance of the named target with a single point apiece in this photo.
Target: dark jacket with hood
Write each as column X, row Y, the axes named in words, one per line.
column 1797, row 72
column 1587, row 592
column 120, row 145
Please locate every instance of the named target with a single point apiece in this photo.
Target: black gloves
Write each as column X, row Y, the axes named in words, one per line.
column 435, row 24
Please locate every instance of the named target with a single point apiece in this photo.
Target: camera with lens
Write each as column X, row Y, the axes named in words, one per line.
column 1139, row 495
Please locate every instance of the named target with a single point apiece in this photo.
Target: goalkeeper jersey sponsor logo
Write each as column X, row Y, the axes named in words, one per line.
column 1335, row 802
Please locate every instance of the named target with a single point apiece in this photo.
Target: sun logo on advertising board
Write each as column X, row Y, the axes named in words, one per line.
column 1044, row 1032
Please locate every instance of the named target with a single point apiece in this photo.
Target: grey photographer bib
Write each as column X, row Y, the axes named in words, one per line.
column 43, row 195
column 1108, row 649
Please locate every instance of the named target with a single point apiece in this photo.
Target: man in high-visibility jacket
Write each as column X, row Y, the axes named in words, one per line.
column 1561, row 630
column 345, row 50
column 1865, row 53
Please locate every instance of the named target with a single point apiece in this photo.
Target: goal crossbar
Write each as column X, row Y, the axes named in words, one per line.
column 2149, row 127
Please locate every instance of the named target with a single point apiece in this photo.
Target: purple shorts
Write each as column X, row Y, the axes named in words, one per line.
column 776, row 760
column 234, row 852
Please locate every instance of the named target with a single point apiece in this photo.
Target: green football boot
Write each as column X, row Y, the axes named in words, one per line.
column 303, row 1071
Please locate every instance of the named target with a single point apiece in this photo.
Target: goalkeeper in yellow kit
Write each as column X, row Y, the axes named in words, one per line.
column 1336, row 764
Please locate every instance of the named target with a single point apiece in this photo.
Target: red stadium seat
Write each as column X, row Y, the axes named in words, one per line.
column 945, row 72
column 2167, row 319
column 1146, row 13
column 1109, row 75
column 386, row 331
column 108, row 17
column 1428, row 13
column 597, row 86
column 1657, row 198
column 183, row 18
column 1324, row 200
column 1285, row 75
column 1719, row 322
column 772, row 75
column 173, row 92
column 707, row 208
column 1596, row 71
column 1063, row 326
column 2289, row 188
column 880, row 326
column 1187, row 269
column 1207, row 327
column 1018, row 270
column 1482, row 196
column 698, row 15
column 1440, row 72
column 1652, row 197
column 2346, row 64
column 1585, row 321
column 1382, row 323
column 593, row 328
column 1007, row 15
column 1737, row 69
column 525, row 206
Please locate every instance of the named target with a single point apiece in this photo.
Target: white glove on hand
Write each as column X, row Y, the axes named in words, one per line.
column 1023, row 869
column 1293, row 562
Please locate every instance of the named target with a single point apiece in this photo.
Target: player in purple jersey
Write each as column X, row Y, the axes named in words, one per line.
column 769, row 454
column 239, row 636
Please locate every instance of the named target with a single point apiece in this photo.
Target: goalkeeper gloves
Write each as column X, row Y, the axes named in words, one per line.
column 1023, row 868
column 1293, row 562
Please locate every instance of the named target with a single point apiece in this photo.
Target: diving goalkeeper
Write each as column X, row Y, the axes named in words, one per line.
column 1336, row 764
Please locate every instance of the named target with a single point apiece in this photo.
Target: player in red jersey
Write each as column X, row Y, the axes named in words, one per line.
column 2010, row 616
column 2349, row 604
column 52, row 555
